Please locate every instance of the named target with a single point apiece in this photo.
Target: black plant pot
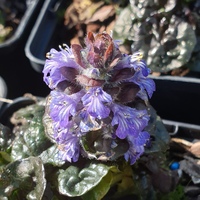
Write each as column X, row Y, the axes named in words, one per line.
column 15, row 68
column 46, row 32
column 177, row 98
column 23, row 29
column 8, row 109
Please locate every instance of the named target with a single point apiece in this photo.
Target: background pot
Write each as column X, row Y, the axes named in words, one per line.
column 177, row 98
column 24, row 27
column 45, row 34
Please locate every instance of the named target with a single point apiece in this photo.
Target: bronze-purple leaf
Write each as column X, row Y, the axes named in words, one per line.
column 68, row 87
column 113, row 91
column 95, row 59
column 69, row 73
column 128, row 93
column 122, row 74
column 76, row 49
column 109, row 53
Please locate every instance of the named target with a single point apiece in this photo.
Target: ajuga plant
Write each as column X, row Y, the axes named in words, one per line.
column 165, row 31
column 94, row 137
column 91, row 88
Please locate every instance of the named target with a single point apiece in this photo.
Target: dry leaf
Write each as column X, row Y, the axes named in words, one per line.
column 102, row 14
column 190, row 147
column 79, row 11
column 195, row 149
column 182, row 143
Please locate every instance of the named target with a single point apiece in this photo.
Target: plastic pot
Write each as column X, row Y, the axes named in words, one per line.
column 180, row 129
column 44, row 35
column 24, row 27
column 177, row 98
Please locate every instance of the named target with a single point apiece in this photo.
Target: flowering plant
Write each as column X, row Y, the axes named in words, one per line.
column 95, row 136
column 91, row 90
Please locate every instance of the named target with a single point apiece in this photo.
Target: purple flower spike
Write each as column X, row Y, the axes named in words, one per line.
column 146, row 85
column 63, row 106
column 69, row 148
column 94, row 101
column 130, row 121
column 58, row 66
column 95, row 92
column 136, row 146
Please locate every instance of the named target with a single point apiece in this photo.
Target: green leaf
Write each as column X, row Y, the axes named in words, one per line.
column 30, row 139
column 75, row 182
column 50, row 156
column 123, row 179
column 165, row 39
column 26, row 176
column 99, row 191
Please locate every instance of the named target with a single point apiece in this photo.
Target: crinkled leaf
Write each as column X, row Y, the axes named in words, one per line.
column 166, row 40
column 50, row 156
column 27, row 176
column 76, row 182
column 176, row 49
column 97, row 147
column 30, row 138
column 99, row 191
column 49, row 132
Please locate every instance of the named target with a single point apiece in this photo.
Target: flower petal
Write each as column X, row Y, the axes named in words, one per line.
column 54, row 68
column 130, row 121
column 63, row 106
column 94, row 101
column 136, row 146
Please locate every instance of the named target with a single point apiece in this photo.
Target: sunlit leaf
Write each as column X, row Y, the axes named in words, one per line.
column 50, row 156
column 33, row 140
column 99, row 191
column 26, row 176
column 76, row 182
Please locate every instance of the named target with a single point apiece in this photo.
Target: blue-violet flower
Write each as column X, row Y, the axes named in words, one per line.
column 95, row 102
